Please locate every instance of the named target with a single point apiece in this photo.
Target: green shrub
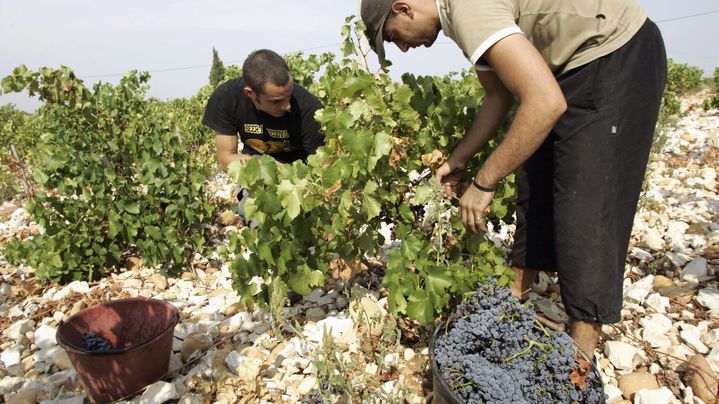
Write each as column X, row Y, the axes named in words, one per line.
column 9, row 186
column 15, row 131
column 185, row 115
column 713, row 101
column 681, row 79
column 113, row 178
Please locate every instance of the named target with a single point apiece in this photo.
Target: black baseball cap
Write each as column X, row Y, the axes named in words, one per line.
column 374, row 14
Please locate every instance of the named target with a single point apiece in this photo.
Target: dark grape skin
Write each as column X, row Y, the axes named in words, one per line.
column 94, row 342
column 494, row 352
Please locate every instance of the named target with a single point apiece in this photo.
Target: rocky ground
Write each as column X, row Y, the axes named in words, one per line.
column 665, row 349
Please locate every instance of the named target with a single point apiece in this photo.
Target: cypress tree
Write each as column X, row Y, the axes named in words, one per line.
column 217, row 72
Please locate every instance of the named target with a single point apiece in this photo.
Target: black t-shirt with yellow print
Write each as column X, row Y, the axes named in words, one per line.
column 292, row 137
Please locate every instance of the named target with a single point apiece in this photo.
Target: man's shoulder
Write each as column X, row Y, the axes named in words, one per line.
column 478, row 5
column 230, row 94
column 231, row 86
column 303, row 96
column 298, row 89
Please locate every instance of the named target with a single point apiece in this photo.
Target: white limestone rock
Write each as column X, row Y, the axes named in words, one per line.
column 80, row 287
column 409, row 354
column 709, row 298
column 614, row 394
column 541, row 283
column 234, row 323
column 64, row 378
column 10, row 384
column 46, row 355
column 12, row 356
column 711, row 338
column 713, row 359
column 342, row 331
column 74, row 399
column 696, row 270
column 45, row 337
column 371, row 369
column 639, row 290
column 622, row 355
column 190, row 398
column 234, row 359
column 655, row 328
column 5, row 290
column 709, row 178
column 679, row 259
column 675, row 232
column 307, row 385
column 659, row 396
column 640, row 254
column 18, row 329
column 247, row 368
column 369, row 314
column 657, row 302
column 692, row 337
column 159, row 393
column 653, row 239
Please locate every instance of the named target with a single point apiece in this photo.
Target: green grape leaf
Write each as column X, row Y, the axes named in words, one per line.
column 423, row 194
column 290, row 197
column 420, row 307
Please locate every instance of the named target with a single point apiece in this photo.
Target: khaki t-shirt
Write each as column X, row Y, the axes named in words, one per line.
column 567, row 33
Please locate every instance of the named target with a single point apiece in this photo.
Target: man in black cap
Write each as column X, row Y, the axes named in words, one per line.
column 589, row 77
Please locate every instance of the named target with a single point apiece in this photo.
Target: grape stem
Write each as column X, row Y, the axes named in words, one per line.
column 532, row 344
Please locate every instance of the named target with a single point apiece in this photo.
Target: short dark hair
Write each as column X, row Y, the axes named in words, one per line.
column 263, row 66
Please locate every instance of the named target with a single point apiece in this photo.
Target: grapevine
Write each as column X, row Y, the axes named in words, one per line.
column 377, row 132
column 113, row 178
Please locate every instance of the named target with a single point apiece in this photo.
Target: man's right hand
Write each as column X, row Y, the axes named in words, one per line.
column 450, row 179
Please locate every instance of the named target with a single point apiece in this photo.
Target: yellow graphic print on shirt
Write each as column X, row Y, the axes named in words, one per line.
column 269, row 147
column 279, row 134
column 253, row 129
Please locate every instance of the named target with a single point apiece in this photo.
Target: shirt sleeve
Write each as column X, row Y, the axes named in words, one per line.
column 479, row 24
column 219, row 112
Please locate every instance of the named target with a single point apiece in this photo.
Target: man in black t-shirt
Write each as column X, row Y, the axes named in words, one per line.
column 266, row 111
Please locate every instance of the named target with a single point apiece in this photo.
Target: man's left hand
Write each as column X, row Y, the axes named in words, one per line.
column 473, row 207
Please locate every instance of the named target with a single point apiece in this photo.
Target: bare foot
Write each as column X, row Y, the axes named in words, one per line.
column 585, row 334
column 523, row 280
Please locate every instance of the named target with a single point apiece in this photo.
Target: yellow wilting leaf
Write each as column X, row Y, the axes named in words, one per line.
column 433, row 160
column 344, row 270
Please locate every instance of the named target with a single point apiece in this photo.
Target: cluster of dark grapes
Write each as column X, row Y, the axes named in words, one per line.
column 418, row 211
column 493, row 351
column 313, row 397
column 94, row 342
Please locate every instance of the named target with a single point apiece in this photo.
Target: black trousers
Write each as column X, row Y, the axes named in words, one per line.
column 578, row 193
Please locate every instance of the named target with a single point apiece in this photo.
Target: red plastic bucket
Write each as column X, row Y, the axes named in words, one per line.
column 140, row 331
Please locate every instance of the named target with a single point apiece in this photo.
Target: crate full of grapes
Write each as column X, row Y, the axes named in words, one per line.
column 493, row 350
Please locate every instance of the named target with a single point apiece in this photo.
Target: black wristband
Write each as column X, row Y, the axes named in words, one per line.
column 482, row 187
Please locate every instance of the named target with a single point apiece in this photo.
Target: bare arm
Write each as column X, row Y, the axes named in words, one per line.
column 497, row 102
column 492, row 112
column 227, row 150
column 523, row 73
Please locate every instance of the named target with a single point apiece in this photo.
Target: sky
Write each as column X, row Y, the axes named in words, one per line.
column 173, row 39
